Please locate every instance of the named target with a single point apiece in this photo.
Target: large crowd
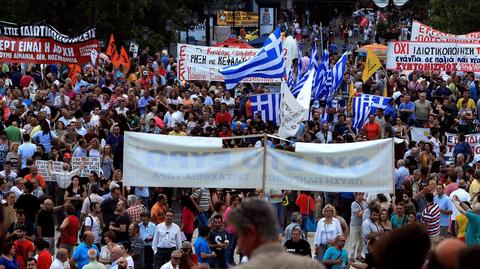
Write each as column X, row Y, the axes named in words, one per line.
column 67, row 220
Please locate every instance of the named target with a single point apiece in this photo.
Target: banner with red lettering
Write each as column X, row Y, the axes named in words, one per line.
column 203, row 63
column 433, row 56
column 472, row 139
column 425, row 33
column 41, row 43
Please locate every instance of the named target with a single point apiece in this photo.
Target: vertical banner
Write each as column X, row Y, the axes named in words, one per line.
column 267, row 20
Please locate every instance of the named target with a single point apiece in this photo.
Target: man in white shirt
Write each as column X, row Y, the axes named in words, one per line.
column 19, row 187
column 60, row 259
column 173, row 116
column 230, row 102
column 174, row 260
column 119, row 253
column 464, row 196
column 92, row 223
column 371, row 229
column 91, row 198
column 8, row 174
column 166, row 239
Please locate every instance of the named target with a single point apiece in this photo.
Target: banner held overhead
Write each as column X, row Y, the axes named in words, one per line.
column 165, row 161
column 42, row 43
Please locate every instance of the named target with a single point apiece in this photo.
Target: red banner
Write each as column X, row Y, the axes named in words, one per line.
column 43, row 44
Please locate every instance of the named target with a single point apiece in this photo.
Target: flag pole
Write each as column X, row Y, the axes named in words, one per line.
column 393, row 159
column 264, row 172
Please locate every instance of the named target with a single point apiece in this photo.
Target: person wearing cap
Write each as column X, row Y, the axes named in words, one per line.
column 145, row 81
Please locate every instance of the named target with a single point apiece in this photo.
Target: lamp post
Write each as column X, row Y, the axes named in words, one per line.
column 210, row 9
column 189, row 19
column 169, row 28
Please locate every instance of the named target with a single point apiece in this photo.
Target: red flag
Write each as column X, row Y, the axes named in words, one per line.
column 111, row 48
column 115, row 59
column 74, row 70
column 125, row 60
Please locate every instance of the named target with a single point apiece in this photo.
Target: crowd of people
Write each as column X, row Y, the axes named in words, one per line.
column 64, row 219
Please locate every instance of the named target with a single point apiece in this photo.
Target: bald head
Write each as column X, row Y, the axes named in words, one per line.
column 117, row 252
column 447, row 251
column 48, row 204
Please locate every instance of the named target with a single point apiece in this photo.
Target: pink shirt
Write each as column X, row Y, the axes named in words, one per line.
column 230, row 229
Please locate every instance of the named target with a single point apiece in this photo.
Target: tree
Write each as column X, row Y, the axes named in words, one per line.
column 455, row 16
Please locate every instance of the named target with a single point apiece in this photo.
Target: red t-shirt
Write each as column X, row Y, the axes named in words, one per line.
column 372, row 130
column 21, row 252
column 187, row 220
column 69, row 234
column 223, row 118
column 44, row 259
column 303, row 202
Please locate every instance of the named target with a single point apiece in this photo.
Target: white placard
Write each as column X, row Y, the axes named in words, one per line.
column 425, row 33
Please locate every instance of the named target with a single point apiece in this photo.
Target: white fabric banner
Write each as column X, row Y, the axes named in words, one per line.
column 425, row 33
column 203, row 63
column 351, row 167
column 433, row 56
column 172, row 161
column 420, row 134
column 291, row 113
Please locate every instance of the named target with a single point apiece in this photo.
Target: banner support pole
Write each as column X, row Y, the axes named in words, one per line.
column 264, row 172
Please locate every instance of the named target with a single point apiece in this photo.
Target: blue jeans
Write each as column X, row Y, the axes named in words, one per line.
column 202, row 219
column 279, row 213
column 230, row 251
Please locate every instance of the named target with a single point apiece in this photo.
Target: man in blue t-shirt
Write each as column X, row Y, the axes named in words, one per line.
column 336, row 257
column 205, row 255
column 80, row 255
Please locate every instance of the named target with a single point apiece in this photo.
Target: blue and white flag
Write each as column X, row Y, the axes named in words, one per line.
column 268, row 105
column 335, row 77
column 268, row 63
column 312, row 65
column 366, row 104
column 299, row 64
column 319, row 81
column 290, row 80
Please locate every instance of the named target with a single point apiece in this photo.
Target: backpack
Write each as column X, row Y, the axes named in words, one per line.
column 82, row 230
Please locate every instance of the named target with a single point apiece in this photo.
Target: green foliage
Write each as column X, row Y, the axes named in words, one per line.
column 455, row 16
column 126, row 19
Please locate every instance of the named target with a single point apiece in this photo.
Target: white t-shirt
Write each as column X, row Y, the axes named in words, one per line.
column 95, row 227
column 169, row 265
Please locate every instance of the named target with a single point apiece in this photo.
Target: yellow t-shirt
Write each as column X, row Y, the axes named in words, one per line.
column 474, row 188
column 177, row 134
column 470, row 104
column 462, row 222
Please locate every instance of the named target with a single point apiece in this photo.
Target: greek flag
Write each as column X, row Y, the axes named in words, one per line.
column 313, row 64
column 366, row 104
column 290, row 80
column 268, row 63
column 335, row 77
column 268, row 105
column 299, row 64
column 319, row 81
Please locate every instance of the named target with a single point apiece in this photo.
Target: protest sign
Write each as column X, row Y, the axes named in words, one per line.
column 424, row 56
column 203, row 63
column 159, row 160
column 420, row 134
column 425, row 33
column 42, row 167
column 472, row 139
column 92, row 164
column 42, row 43
column 363, row 166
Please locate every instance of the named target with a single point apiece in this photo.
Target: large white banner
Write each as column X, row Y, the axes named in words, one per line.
column 433, row 56
column 425, row 33
column 452, row 139
column 203, row 63
column 363, row 166
column 168, row 161
column 350, row 167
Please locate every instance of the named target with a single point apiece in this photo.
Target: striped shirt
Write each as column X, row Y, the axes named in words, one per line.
column 203, row 197
column 431, row 217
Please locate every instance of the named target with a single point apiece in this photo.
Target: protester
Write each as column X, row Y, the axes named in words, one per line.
column 297, row 245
